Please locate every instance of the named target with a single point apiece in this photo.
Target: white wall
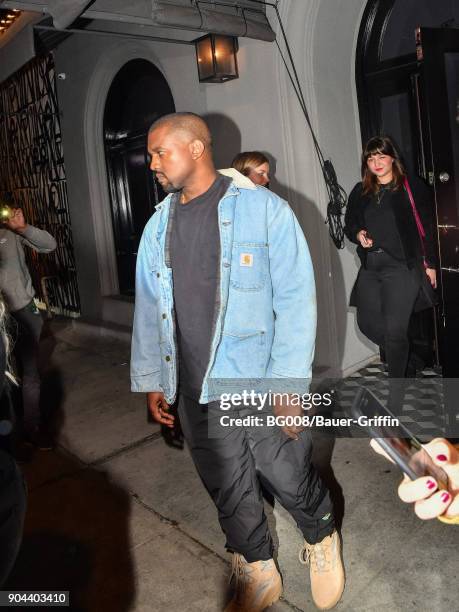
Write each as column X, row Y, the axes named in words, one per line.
column 256, row 111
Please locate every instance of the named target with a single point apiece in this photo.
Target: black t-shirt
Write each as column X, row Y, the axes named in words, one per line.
column 195, row 255
column 381, row 224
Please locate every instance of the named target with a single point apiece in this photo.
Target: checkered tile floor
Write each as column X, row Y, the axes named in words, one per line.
column 423, row 411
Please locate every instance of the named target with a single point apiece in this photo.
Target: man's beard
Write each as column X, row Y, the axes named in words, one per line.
column 167, row 187
column 171, row 189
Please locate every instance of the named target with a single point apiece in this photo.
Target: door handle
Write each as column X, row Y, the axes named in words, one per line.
column 444, row 177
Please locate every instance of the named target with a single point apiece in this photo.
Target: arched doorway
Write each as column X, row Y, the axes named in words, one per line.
column 138, row 95
column 388, row 71
column 407, row 68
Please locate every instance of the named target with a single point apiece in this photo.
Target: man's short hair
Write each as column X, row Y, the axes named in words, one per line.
column 190, row 123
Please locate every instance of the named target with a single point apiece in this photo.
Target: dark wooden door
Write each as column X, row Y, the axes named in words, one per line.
column 438, row 52
column 134, row 196
column 138, row 95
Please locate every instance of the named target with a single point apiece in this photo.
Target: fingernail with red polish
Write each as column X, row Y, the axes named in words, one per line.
column 442, row 458
column 430, row 484
column 445, row 497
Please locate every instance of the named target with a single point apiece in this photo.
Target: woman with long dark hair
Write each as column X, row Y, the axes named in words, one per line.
column 394, row 254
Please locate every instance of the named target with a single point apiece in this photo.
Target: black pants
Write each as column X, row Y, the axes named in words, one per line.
column 386, row 293
column 29, row 326
column 233, row 461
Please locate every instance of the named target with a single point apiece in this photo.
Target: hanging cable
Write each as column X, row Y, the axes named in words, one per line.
column 337, row 197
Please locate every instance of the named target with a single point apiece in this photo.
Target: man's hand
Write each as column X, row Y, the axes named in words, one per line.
column 158, row 408
column 432, row 274
column 364, row 239
column 16, row 223
column 283, row 408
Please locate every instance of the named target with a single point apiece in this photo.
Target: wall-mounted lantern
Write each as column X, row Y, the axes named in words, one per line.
column 216, row 57
column 7, row 18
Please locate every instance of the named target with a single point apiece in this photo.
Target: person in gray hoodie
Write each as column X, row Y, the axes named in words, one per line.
column 18, row 292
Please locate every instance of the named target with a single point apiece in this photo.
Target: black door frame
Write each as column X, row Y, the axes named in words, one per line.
column 372, row 74
column 431, row 50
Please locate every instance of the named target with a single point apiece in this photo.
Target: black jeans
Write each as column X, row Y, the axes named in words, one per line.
column 386, row 293
column 234, row 460
column 29, row 326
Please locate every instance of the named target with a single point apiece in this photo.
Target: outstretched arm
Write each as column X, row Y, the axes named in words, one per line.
column 35, row 238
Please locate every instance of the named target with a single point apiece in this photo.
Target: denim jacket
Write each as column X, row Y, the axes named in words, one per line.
column 265, row 313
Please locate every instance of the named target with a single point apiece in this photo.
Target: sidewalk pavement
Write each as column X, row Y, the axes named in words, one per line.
column 120, row 519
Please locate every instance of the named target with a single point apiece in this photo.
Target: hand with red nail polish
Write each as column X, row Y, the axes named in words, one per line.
column 429, row 501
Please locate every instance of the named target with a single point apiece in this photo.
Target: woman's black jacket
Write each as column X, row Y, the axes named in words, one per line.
column 355, row 221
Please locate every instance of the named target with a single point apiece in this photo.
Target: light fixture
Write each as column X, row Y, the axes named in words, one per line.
column 216, row 58
column 7, row 18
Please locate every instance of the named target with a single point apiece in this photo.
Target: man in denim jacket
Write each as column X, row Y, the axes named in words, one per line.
column 225, row 292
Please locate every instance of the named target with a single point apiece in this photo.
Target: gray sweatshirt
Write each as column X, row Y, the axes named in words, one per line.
column 15, row 282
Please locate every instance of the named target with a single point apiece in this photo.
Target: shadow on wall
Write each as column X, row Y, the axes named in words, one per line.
column 329, row 345
column 226, row 138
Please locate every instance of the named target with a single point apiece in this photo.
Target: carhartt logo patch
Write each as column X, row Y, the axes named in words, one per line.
column 246, row 260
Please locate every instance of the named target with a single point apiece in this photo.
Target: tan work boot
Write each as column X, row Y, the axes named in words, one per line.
column 257, row 585
column 326, row 570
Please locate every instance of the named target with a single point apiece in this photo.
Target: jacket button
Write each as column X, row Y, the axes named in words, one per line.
column 226, row 264
column 158, row 274
column 164, row 315
column 167, row 358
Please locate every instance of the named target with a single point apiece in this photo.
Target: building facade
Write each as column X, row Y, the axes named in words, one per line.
column 258, row 110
